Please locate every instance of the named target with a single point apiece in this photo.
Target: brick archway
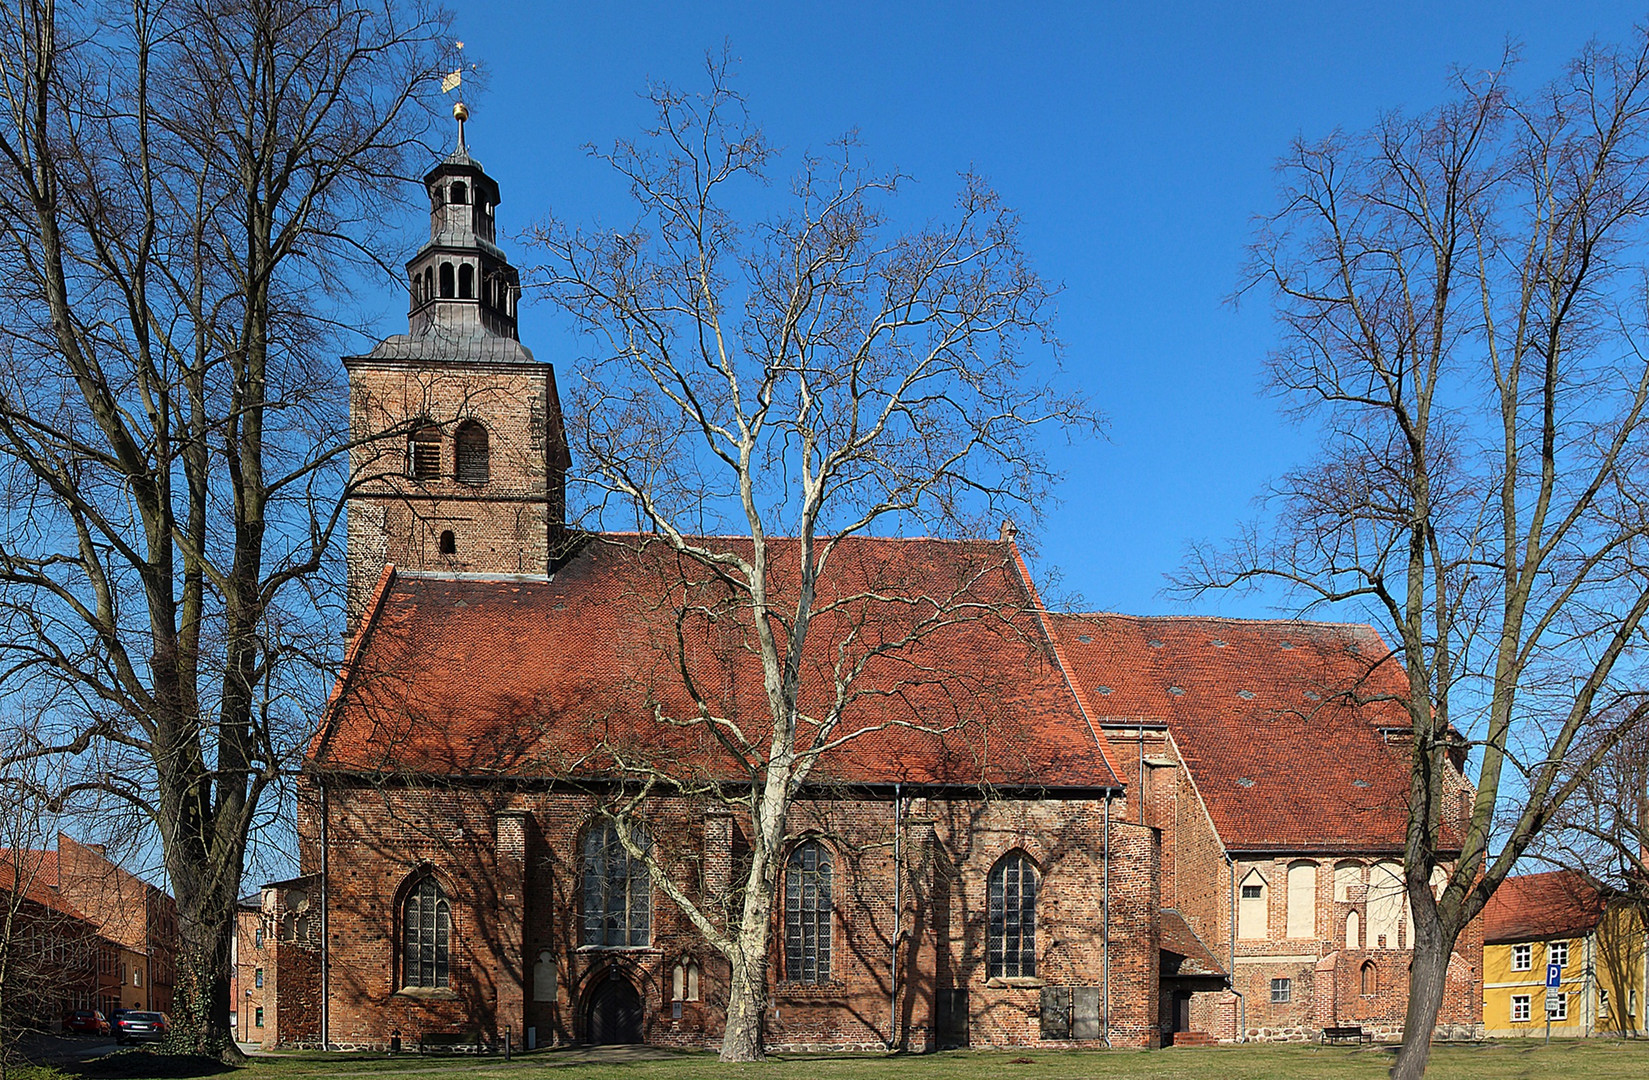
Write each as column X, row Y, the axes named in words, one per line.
column 612, row 1011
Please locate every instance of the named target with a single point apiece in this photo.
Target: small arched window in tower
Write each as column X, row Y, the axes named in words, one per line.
column 449, row 543
column 424, row 453
column 1370, row 979
column 446, row 281
column 466, row 282
column 460, row 193
column 429, row 282
column 474, row 464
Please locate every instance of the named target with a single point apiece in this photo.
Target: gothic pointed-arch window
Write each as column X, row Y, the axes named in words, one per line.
column 424, row 453
column 447, row 287
column 807, row 913
column 618, row 893
column 474, row 464
column 1010, row 933
column 426, row 935
column 466, row 282
column 1370, row 979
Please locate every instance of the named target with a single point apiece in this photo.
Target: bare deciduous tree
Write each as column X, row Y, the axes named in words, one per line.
column 800, row 379
column 185, row 188
column 1460, row 298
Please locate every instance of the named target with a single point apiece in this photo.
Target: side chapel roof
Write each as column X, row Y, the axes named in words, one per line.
column 1279, row 721
column 569, row 676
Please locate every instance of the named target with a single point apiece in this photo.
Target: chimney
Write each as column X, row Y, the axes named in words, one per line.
column 1010, row 531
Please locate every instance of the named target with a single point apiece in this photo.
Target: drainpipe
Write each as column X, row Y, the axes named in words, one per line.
column 326, row 924
column 1242, row 1002
column 898, row 923
column 1105, row 933
column 1140, row 776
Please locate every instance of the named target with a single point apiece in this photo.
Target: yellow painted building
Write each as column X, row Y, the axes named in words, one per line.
column 1560, row 918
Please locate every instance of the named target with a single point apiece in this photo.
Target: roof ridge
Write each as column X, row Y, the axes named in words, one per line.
column 1213, row 618
column 797, row 539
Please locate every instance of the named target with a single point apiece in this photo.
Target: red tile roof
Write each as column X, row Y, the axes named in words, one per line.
column 36, row 871
column 1267, row 717
column 462, row 675
column 42, row 865
column 1533, row 907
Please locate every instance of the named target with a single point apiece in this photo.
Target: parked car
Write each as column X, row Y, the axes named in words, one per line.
column 86, row 1022
column 134, row 1026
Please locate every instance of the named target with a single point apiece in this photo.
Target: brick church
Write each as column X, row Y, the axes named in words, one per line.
column 1054, row 830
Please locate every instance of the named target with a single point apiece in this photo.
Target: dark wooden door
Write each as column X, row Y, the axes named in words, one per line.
column 615, row 1013
column 1182, row 1010
column 952, row 1006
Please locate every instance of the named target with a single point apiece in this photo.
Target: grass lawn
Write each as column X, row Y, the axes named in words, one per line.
column 1569, row 1059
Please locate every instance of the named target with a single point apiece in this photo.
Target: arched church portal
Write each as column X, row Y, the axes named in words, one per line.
column 613, row 1012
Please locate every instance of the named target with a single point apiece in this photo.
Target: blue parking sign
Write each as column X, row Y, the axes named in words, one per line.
column 1554, row 976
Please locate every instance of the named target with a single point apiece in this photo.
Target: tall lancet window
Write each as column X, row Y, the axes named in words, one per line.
column 807, row 910
column 618, row 892
column 1010, row 932
column 426, row 936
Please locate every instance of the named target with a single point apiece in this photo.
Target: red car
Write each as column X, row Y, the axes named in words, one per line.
column 86, row 1022
column 136, row 1026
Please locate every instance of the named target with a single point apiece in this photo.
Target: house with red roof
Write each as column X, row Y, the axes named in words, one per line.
column 53, row 955
column 1561, row 926
column 1272, row 756
column 1019, row 828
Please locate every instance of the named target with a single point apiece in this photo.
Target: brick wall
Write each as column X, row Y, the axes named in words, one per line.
column 507, row 525
column 509, row 864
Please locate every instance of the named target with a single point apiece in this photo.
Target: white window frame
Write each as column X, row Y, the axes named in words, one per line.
column 1522, row 957
column 1520, row 1008
column 1557, row 952
column 1562, row 1011
column 1282, row 991
column 1603, row 1003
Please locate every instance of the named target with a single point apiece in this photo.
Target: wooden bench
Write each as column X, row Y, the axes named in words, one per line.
column 451, row 1042
column 1352, row 1033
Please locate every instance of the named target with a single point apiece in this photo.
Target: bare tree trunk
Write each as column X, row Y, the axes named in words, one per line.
column 746, row 1010
column 1428, row 981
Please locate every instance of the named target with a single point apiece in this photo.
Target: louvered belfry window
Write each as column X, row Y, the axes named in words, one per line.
column 426, row 931
column 1010, row 940
column 474, row 466
column 618, row 893
column 424, row 453
column 807, row 912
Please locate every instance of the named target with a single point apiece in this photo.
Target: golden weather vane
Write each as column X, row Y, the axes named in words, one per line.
column 453, row 80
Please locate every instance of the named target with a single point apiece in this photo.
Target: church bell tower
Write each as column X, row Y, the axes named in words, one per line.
column 459, row 462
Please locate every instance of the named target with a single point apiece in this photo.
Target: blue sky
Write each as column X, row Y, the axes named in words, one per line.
column 1136, row 140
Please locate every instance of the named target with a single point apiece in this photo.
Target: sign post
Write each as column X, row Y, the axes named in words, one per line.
column 1554, row 979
